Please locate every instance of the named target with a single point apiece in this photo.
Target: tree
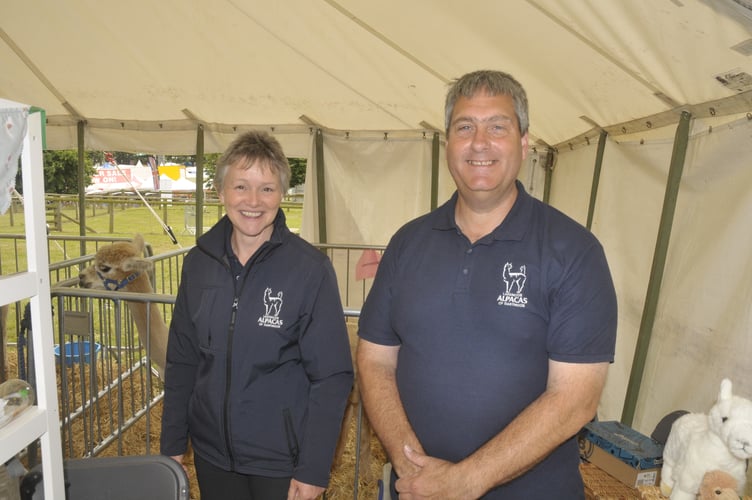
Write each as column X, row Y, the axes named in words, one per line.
column 298, row 167
column 61, row 171
column 125, row 158
column 210, row 167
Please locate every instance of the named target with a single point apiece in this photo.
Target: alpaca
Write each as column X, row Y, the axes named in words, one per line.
column 272, row 304
column 514, row 281
column 120, row 266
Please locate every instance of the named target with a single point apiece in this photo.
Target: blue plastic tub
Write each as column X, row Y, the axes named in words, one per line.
column 75, row 352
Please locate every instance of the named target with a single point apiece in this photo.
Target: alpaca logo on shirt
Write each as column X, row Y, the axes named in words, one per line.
column 514, row 283
column 273, row 305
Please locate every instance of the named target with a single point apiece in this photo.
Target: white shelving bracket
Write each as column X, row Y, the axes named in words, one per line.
column 42, row 420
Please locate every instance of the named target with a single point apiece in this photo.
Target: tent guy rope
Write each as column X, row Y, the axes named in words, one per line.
column 167, row 228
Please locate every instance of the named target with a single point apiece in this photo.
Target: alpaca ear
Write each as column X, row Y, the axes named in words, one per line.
column 725, row 392
column 138, row 242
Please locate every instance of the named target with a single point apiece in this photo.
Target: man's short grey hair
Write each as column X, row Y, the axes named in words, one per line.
column 493, row 83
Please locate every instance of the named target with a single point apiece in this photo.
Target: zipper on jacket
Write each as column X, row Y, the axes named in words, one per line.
column 228, row 383
column 231, row 330
column 292, row 438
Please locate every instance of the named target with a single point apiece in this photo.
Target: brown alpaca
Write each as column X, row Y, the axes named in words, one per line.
column 121, row 266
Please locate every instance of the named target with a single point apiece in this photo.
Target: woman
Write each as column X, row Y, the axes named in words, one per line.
column 258, row 358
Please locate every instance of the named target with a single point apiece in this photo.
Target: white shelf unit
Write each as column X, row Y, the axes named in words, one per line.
column 41, row 421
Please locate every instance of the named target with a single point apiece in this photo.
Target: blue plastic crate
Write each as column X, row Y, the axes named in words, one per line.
column 625, row 443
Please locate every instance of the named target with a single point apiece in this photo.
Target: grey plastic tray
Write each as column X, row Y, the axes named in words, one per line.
column 152, row 477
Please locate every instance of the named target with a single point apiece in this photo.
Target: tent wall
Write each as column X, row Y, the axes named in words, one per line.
column 570, row 189
column 700, row 332
column 374, row 183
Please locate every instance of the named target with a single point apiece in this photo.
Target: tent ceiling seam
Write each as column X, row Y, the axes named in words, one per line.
column 38, row 73
column 386, row 40
column 409, row 56
column 314, row 63
column 613, row 60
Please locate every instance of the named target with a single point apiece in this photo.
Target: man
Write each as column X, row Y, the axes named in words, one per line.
column 486, row 338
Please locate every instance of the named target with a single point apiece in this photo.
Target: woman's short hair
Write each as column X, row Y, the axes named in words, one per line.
column 253, row 147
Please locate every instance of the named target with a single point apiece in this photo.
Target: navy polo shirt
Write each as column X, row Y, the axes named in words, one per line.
column 477, row 324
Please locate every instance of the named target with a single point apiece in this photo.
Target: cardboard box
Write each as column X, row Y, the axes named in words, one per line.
column 600, row 485
column 631, row 457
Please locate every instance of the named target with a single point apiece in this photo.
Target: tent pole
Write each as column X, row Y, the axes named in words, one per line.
column 681, row 141
column 81, row 186
column 549, row 169
column 596, row 177
column 199, row 180
column 435, row 171
column 320, row 185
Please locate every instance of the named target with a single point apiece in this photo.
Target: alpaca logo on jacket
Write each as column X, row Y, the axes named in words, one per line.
column 514, row 284
column 273, row 305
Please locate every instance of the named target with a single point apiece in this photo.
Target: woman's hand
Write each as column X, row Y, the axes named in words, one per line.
column 179, row 459
column 303, row 491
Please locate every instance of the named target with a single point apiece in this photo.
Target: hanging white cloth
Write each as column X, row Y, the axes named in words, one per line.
column 13, row 118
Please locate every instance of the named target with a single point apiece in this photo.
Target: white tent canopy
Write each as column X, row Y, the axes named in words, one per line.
column 366, row 81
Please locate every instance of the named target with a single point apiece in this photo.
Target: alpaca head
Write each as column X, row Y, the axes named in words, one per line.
column 731, row 419
column 116, row 266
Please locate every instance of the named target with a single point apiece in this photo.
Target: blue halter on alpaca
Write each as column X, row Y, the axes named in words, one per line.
column 117, row 284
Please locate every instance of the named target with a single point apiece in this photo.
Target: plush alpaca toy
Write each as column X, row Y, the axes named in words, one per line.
column 698, row 443
column 718, row 485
